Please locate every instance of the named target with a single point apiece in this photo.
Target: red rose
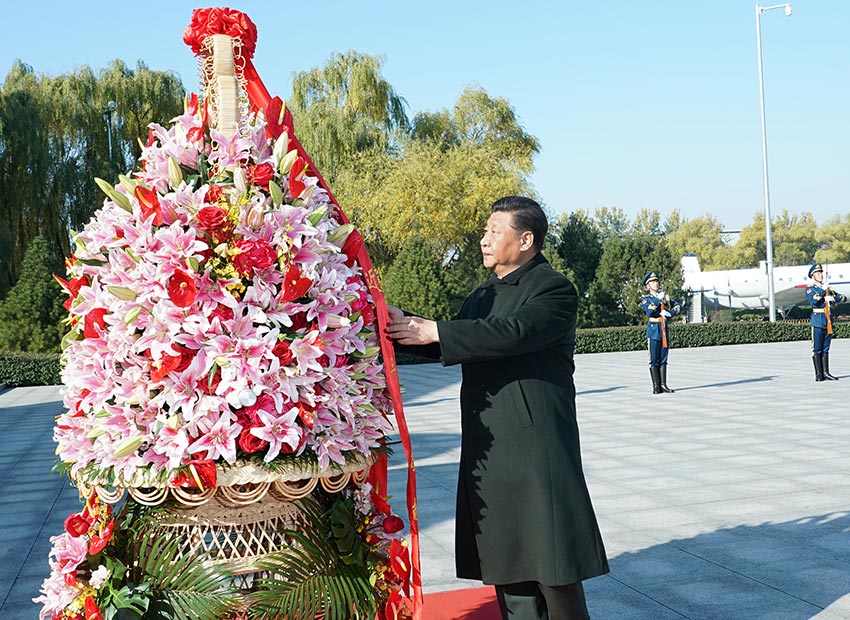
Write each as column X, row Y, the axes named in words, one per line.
column 77, row 525
column 253, row 255
column 260, row 175
column 283, row 353
column 222, row 313
column 94, row 319
column 213, row 194
column 294, row 286
column 250, row 443
column 299, row 321
column 182, row 289
column 208, row 385
column 149, row 204
column 91, row 609
column 213, row 220
column 393, row 524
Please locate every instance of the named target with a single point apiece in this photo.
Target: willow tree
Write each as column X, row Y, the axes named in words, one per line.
column 54, row 142
column 345, row 108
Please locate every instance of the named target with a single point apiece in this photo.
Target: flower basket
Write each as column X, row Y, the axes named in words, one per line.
column 224, row 382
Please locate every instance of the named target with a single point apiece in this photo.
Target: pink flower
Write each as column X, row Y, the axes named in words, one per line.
column 278, row 430
column 219, row 441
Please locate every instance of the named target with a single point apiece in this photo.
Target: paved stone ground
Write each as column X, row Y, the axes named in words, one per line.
column 728, row 500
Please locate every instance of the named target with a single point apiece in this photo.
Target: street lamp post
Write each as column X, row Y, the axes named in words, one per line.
column 768, row 234
column 108, row 110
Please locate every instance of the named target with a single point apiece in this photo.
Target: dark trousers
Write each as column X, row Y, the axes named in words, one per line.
column 820, row 341
column 657, row 353
column 530, row 600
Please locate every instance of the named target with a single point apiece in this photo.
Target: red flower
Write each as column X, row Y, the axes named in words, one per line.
column 307, row 416
column 93, row 320
column 278, row 120
column 77, row 524
column 208, row 385
column 393, row 524
column 199, row 474
column 72, row 288
column 213, row 220
column 260, row 175
column 213, row 194
column 195, row 134
column 400, row 561
column 380, row 503
column 299, row 321
column 182, row 289
column 163, row 366
column 222, row 313
column 352, row 246
column 253, row 255
column 99, row 540
column 192, row 104
column 210, row 21
column 294, row 286
column 296, row 174
column 250, row 443
column 91, row 609
column 151, row 138
column 149, row 204
column 281, row 350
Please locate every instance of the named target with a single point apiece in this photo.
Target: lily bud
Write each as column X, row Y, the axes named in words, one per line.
column 287, row 161
column 175, row 175
column 128, row 446
column 279, row 150
column 340, row 234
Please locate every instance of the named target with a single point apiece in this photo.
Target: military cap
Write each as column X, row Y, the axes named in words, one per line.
column 652, row 275
column 815, row 268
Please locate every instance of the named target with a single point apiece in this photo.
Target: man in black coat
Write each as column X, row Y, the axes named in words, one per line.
column 525, row 522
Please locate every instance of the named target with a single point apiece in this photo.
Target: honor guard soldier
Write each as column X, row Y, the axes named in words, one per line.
column 821, row 297
column 658, row 307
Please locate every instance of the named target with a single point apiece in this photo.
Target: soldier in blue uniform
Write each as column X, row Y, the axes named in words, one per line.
column 821, row 298
column 658, row 307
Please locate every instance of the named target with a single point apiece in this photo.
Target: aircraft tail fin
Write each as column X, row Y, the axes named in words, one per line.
column 690, row 264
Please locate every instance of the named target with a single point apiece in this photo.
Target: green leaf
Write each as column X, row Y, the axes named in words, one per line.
column 117, row 197
column 276, row 192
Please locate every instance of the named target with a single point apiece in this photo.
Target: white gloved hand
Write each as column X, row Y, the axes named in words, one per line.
column 666, row 314
column 829, row 298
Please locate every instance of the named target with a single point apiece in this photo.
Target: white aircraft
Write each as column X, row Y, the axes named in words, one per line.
column 747, row 288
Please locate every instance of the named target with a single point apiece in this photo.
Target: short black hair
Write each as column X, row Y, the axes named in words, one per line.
column 527, row 215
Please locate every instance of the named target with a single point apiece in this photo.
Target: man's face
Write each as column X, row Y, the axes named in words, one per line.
column 502, row 246
column 653, row 286
column 818, row 277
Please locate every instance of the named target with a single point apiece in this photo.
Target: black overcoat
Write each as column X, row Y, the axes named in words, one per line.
column 523, row 510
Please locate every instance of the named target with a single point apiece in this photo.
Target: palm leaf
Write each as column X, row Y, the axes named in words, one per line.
column 182, row 586
column 310, row 577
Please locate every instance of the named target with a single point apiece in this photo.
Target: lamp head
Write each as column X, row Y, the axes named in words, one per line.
column 788, row 10
column 112, row 106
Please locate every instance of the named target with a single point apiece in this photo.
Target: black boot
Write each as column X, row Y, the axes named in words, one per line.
column 826, row 374
column 655, row 373
column 664, row 387
column 818, row 362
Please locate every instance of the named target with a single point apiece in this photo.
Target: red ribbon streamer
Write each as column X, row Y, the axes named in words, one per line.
column 260, row 99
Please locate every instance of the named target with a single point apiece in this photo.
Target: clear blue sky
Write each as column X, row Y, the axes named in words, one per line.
column 636, row 104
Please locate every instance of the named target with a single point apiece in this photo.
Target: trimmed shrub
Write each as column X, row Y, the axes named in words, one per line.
column 19, row 369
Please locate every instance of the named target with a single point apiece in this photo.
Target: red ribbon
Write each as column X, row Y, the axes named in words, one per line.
column 260, row 99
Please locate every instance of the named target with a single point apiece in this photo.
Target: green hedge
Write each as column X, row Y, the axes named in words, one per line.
column 17, row 369
column 682, row 335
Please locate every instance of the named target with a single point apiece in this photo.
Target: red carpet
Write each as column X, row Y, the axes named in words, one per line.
column 466, row 604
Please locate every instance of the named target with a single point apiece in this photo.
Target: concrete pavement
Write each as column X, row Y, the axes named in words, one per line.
column 728, row 500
